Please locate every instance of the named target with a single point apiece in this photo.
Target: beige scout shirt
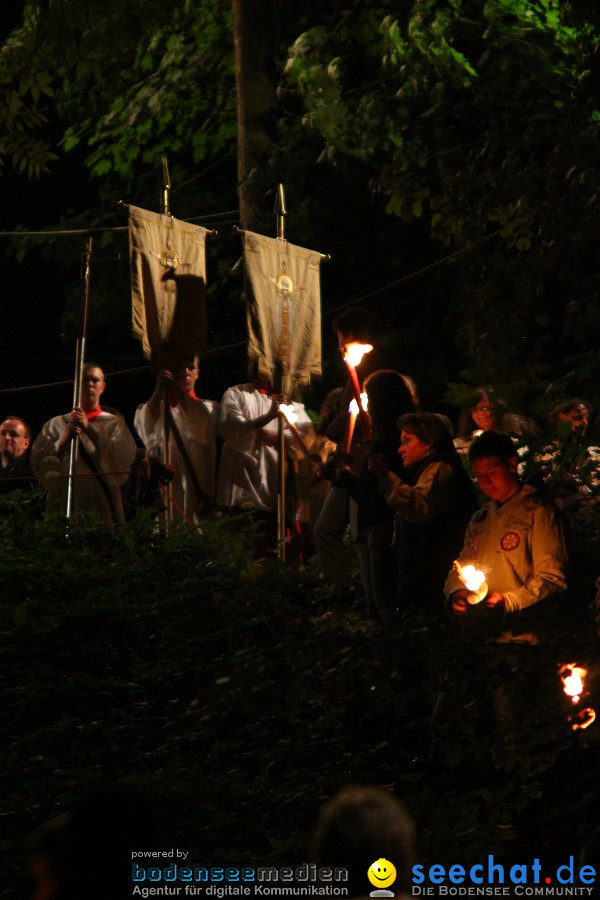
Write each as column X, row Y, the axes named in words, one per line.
column 519, row 546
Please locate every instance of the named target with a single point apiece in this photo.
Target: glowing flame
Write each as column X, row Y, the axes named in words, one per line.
column 572, row 677
column 288, row 410
column 471, row 577
column 353, row 408
column 354, row 352
column 582, row 719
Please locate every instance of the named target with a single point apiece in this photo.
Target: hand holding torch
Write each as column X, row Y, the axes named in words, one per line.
column 353, row 354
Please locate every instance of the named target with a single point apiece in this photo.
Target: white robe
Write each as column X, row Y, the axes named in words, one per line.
column 248, row 471
column 197, row 425
column 114, row 452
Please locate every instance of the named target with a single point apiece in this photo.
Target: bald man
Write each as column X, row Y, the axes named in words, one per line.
column 15, row 467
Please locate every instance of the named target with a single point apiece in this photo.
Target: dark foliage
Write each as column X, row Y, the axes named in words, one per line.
column 236, row 699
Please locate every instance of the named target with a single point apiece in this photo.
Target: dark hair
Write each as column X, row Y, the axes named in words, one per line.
column 492, row 443
column 431, row 428
column 361, row 323
column 466, row 425
column 357, row 827
column 390, row 394
column 22, row 421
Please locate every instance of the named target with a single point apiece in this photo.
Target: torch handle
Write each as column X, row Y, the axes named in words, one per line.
column 350, row 423
column 297, row 437
column 366, row 424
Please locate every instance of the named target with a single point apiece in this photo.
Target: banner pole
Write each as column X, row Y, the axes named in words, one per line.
column 78, row 379
column 166, row 396
column 280, row 214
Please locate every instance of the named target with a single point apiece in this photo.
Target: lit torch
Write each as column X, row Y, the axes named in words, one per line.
column 353, row 354
column 291, row 417
column 474, row 581
column 351, row 422
column 572, row 677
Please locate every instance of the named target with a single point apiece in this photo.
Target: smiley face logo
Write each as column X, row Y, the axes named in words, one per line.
column 382, row 873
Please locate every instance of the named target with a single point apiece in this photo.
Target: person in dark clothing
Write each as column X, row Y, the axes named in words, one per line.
column 362, row 326
column 390, row 395
column 486, row 412
column 434, row 500
column 358, row 827
column 15, row 468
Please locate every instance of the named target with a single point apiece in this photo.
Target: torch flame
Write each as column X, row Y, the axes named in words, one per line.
column 353, row 408
column 288, row 410
column 354, row 352
column 572, row 677
column 583, row 719
column 471, row 577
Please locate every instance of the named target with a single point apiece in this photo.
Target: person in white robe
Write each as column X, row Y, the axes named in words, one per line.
column 106, row 451
column 249, row 462
column 192, row 447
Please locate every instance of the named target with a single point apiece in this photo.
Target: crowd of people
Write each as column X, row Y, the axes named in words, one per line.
column 399, row 488
column 419, row 502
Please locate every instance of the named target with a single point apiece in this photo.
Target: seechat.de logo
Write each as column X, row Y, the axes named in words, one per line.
column 492, row 873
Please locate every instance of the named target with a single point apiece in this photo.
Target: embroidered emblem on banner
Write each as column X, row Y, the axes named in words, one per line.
column 285, row 284
column 510, row 540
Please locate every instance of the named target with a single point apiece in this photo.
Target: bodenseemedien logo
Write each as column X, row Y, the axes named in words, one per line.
column 382, row 874
column 225, row 881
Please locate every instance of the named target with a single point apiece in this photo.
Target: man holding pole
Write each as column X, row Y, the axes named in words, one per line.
column 249, row 464
column 105, row 453
column 193, row 431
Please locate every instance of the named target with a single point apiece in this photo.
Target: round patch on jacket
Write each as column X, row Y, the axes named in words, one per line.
column 510, row 540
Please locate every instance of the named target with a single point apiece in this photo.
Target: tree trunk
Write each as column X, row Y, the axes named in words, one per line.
column 253, row 26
